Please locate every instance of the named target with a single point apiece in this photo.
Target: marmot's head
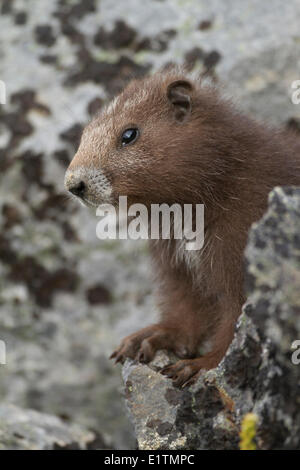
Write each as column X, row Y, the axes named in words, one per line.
column 146, row 144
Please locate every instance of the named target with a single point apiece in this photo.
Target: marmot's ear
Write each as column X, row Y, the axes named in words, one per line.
column 179, row 95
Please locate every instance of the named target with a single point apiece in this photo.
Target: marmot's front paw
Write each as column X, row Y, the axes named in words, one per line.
column 143, row 344
column 185, row 373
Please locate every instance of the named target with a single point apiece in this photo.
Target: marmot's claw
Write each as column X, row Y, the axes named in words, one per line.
column 164, row 370
column 184, row 373
column 140, row 357
column 191, row 381
column 117, row 356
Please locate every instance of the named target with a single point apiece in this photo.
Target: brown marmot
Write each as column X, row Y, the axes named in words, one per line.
column 168, row 139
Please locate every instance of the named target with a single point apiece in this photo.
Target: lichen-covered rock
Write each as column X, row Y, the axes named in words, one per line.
column 257, row 374
column 22, row 429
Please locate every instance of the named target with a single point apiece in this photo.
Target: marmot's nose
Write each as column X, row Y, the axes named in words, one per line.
column 78, row 189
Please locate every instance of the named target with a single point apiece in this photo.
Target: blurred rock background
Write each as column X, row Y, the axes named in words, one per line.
column 66, row 298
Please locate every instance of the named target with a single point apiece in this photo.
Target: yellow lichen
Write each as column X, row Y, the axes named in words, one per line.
column 248, row 432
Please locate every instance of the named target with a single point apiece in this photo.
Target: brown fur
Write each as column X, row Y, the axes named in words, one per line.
column 194, row 147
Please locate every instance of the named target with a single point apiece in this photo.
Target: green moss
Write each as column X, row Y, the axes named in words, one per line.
column 248, row 432
column 106, row 56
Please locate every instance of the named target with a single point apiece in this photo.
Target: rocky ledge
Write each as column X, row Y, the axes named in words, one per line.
column 31, row 430
column 256, row 386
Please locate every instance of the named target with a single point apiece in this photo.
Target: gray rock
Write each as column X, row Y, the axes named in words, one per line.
column 22, row 429
column 257, row 375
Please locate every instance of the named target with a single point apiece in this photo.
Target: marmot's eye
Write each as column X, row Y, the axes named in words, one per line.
column 129, row 136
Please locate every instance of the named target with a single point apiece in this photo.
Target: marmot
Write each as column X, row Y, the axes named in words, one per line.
column 169, row 139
